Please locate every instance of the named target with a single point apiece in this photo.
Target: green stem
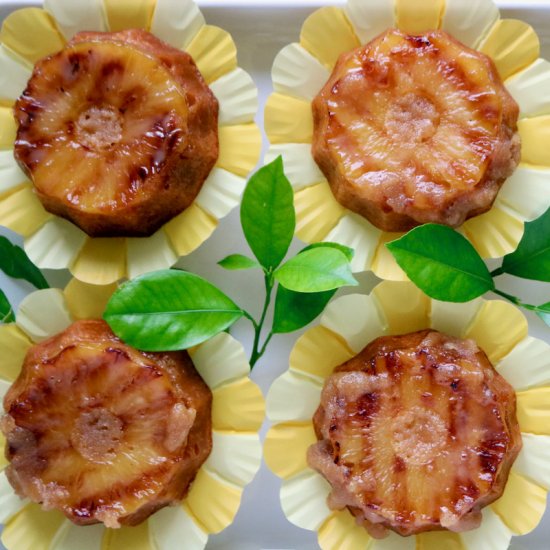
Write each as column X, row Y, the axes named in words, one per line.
column 515, row 300
column 257, row 352
column 496, row 272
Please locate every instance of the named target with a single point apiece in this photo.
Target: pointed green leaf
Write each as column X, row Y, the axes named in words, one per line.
column 15, row 263
column 346, row 250
column 543, row 311
column 6, row 311
column 531, row 259
column 316, row 270
column 169, row 310
column 238, row 261
column 267, row 214
column 442, row 263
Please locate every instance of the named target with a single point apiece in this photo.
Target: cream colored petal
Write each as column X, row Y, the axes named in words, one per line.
column 235, row 457
column 149, row 254
column 527, row 365
column 101, row 261
column 341, row 532
column 394, row 542
column 71, row 536
column 8, row 130
column 494, row 233
column 10, row 503
column 530, row 88
column 4, row 387
column 535, row 136
column 240, row 147
column 220, row 193
column 369, row 19
column 238, row 97
column 190, row 229
column 416, row 17
column 288, row 119
column 10, row 174
column 285, row 448
column 303, row 498
column 136, row 538
column 405, row 307
column 300, row 168
column 526, row 193
column 533, row 410
column 317, row 212
column 43, row 313
column 357, row 233
column 492, row 534
column 469, row 20
column 522, row 504
column 31, row 33
column 297, row 73
column 497, row 328
column 327, row 33
column 56, row 244
column 31, row 529
column 439, row 539
column 22, row 212
column 129, row 14
column 453, row 318
column 14, row 75
column 532, row 461
column 77, row 15
column 383, row 263
column 220, row 360
column 317, row 352
column 86, row 301
column 238, row 406
column 213, row 502
column 169, row 527
column 356, row 318
column 512, row 45
column 176, row 21
column 293, row 397
column 214, row 52
column 14, row 344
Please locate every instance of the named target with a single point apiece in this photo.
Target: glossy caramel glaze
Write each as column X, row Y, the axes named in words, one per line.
column 415, row 129
column 103, row 432
column 416, row 433
column 118, row 132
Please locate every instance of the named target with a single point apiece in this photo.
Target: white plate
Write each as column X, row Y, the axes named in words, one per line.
column 261, row 29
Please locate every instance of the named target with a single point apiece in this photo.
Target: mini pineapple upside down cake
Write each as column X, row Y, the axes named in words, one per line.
column 117, row 131
column 103, row 432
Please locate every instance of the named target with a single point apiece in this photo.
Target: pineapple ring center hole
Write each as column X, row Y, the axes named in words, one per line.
column 99, row 127
column 97, row 434
column 411, row 119
column 418, row 435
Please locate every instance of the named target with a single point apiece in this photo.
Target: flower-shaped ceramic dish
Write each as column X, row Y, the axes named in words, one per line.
column 347, row 326
column 301, row 69
column 215, row 495
column 54, row 243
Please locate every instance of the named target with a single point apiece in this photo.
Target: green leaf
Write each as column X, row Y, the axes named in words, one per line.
column 169, row 310
column 267, row 214
column 6, row 311
column 238, row 261
column 316, row 270
column 531, row 259
column 543, row 311
column 346, row 250
column 15, row 263
column 294, row 310
column 442, row 263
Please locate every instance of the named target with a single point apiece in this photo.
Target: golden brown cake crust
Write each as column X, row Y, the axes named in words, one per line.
column 415, row 129
column 416, row 433
column 153, row 157
column 103, row 432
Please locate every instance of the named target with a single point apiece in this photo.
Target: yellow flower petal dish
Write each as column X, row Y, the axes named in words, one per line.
column 346, row 327
column 53, row 243
column 301, row 69
column 215, row 495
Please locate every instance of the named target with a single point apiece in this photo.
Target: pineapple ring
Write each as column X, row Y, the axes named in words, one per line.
column 415, row 129
column 117, row 131
column 417, row 433
column 103, row 432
